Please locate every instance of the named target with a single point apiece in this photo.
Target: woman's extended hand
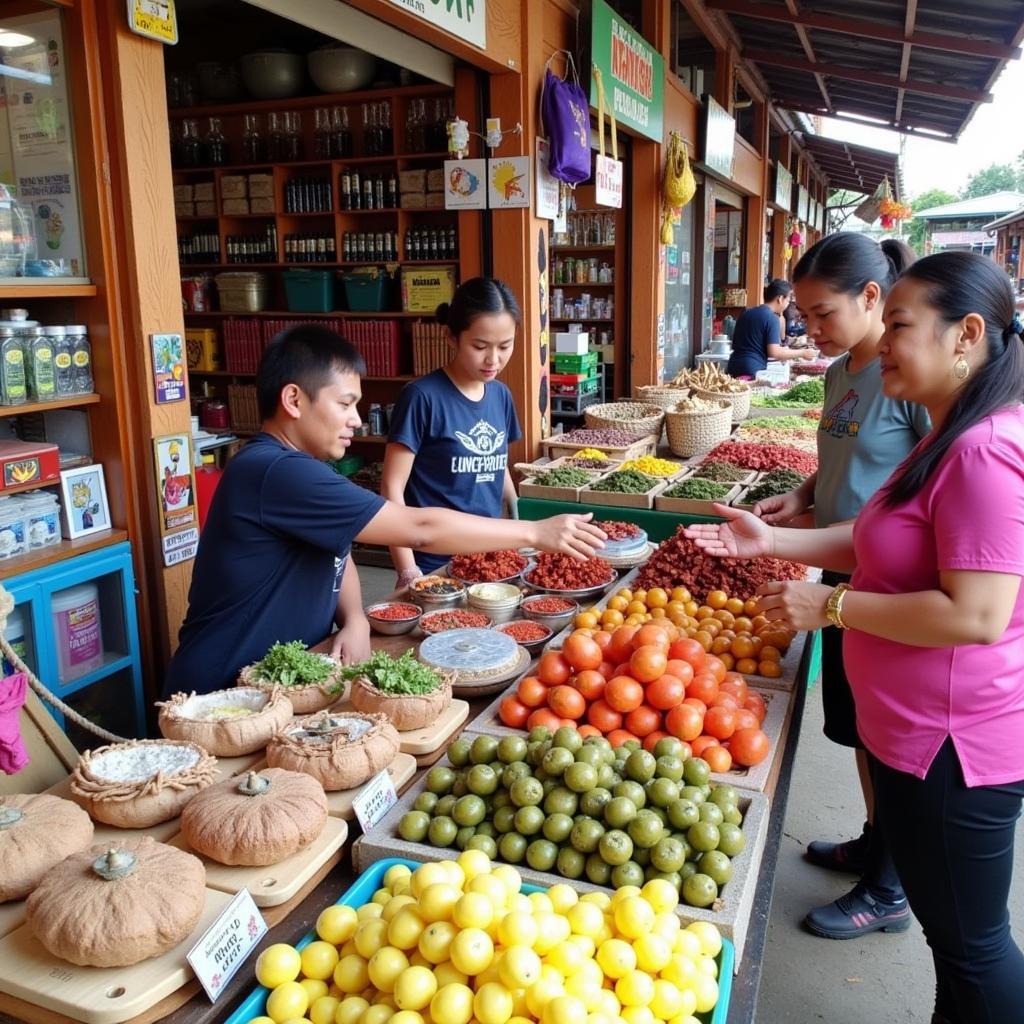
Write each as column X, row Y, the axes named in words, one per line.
column 351, row 644
column 799, row 605
column 571, row 535
column 742, row 535
column 780, row 508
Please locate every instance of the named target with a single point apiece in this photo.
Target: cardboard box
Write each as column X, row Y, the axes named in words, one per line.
column 234, row 186
column 184, row 209
column 606, row 353
column 261, row 204
column 573, row 343
column 413, row 201
column 435, row 201
column 28, row 462
column 412, row 181
column 206, row 209
column 183, row 193
column 204, row 191
column 425, row 288
column 261, row 185
column 435, row 180
column 236, row 206
column 201, row 349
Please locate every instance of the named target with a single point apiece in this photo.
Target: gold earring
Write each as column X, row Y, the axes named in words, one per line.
column 961, row 370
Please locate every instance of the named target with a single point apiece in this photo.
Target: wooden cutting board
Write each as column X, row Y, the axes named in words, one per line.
column 273, row 884
column 11, row 916
column 97, row 995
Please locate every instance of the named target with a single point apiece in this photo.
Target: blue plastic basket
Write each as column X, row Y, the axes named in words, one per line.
column 361, row 891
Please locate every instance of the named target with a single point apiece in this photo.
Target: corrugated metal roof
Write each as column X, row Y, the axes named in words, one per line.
column 853, row 167
column 993, row 205
column 1010, row 218
column 917, row 66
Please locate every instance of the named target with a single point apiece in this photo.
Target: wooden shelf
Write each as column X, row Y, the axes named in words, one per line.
column 583, row 248
column 353, row 161
column 46, row 288
column 188, row 268
column 61, row 403
column 35, row 485
column 41, row 557
column 587, row 284
column 230, row 373
column 284, row 313
column 582, row 320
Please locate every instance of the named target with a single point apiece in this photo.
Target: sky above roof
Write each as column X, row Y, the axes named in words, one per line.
column 993, row 136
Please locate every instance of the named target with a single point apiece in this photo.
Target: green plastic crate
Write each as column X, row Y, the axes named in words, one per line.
column 367, row 293
column 309, row 291
column 566, row 362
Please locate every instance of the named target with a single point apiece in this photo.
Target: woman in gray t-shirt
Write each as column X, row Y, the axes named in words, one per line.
column 840, row 285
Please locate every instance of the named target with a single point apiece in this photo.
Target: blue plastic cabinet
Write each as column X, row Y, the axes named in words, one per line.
column 111, row 694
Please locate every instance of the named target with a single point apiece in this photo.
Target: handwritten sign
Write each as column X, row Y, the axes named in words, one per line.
column 227, row 943
column 181, row 545
column 154, row 19
column 374, row 800
column 608, row 182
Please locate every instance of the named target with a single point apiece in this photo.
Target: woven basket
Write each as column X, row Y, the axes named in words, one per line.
column 664, row 395
column 690, row 433
column 740, row 401
column 631, row 417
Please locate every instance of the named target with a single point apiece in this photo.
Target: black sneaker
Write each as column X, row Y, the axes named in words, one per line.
column 850, row 856
column 858, row 913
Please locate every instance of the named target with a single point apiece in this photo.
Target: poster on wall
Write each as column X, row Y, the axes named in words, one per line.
column 464, row 185
column 508, row 182
column 40, row 160
column 175, row 481
column 783, row 188
column 547, row 185
column 168, row 367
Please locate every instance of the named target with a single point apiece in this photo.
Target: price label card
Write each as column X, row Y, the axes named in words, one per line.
column 227, row 943
column 374, row 800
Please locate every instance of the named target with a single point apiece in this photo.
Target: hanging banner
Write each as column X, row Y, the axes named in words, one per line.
column 508, row 182
column 633, row 71
column 608, row 181
column 466, row 19
column 547, row 185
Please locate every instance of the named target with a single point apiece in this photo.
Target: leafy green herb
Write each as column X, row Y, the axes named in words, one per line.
column 292, row 664
column 626, row 481
column 803, row 395
column 698, row 490
column 395, row 675
column 775, row 481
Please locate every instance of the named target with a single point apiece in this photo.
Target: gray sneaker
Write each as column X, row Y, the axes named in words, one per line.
column 858, row 913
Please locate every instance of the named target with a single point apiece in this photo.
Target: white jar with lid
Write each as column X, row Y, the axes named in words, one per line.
column 77, row 630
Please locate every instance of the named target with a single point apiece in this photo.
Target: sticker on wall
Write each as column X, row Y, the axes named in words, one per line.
column 168, row 367
column 547, row 185
column 175, row 481
column 508, row 182
column 464, row 184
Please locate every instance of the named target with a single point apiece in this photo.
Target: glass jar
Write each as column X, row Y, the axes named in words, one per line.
column 190, row 149
column 81, row 355
column 322, row 133
column 254, row 144
column 294, row 147
column 341, row 135
column 13, row 384
column 277, row 146
column 63, row 360
column 215, row 144
column 40, row 371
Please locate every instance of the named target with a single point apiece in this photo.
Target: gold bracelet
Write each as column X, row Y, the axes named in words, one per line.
column 834, row 606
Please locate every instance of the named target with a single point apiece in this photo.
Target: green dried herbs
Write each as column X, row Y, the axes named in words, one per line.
column 723, row 472
column 626, row 481
column 563, row 476
column 782, row 423
column 292, row 664
column 775, row 481
column 697, row 489
column 806, row 394
column 403, row 675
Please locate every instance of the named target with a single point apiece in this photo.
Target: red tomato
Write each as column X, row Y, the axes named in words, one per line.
column 720, row 722
column 735, row 684
column 619, row 736
column 545, row 717
column 755, row 702
column 647, row 662
column 684, row 722
column 749, row 746
column 725, row 700
column 603, row 717
column 621, row 646
column 716, row 667
column 718, row 758
column 590, row 683
column 651, row 634
column 642, row 721
column 689, row 650
column 665, row 692
column 582, row 652
column 602, row 638
column 680, row 669
column 513, row 712
column 553, row 669
column 607, row 669
column 746, row 719
column 697, row 703
column 623, row 693
column 701, row 743
column 588, row 730
column 651, row 740
column 704, row 687
column 566, row 702
column 532, row 692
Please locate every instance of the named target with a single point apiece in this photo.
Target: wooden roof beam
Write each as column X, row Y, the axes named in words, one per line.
column 869, row 29
column 805, row 41
column 908, row 31
column 781, row 60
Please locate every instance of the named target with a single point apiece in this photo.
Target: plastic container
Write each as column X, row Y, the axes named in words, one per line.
column 361, row 892
column 13, row 380
column 242, row 291
column 42, row 520
column 77, row 630
column 309, row 291
column 366, row 293
column 13, row 533
column 207, row 478
column 15, row 635
column 81, row 356
column 39, row 364
column 63, row 360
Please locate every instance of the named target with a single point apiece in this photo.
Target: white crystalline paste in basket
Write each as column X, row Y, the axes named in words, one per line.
column 235, row 703
column 134, row 764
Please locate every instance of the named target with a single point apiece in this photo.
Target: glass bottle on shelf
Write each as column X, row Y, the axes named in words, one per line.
column 341, row 136
column 216, row 145
column 253, row 143
column 370, row 129
column 387, row 135
column 293, row 135
column 191, row 149
column 277, row 147
column 322, row 133
column 415, row 126
column 609, row 229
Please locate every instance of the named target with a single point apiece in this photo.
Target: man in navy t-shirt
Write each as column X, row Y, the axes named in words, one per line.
column 758, row 334
column 273, row 561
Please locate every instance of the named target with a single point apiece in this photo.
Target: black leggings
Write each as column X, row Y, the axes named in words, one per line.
column 953, row 848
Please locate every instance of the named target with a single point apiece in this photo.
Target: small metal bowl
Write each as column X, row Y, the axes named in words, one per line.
column 425, row 626
column 533, row 646
column 392, row 627
column 432, row 602
column 585, row 594
column 556, row 621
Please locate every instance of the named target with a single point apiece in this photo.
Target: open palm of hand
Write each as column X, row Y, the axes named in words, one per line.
column 742, row 535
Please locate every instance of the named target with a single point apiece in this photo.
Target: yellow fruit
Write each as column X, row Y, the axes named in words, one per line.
column 322, row 1010
column 314, row 988
column 616, row 958
column 436, row 941
column 368, row 911
column 585, row 943
column 564, row 1010
column 585, row 919
column 566, row 958
column 610, row 1003
column 386, row 966
column 261, row 1020
column 452, row 1004
column 584, row 989
column 680, row 970
column 637, row 1015
column 337, row 924
column 562, row 897
column 508, row 876
column 370, row 936
column 667, row 1001
column 437, row 902
column 492, row 1004
column 473, row 863
column 519, row 967
column 473, row 910
column 517, row 929
column 348, row 949
column 706, row 989
column 277, row 964
column 394, row 905
column 448, row 974
column 351, row 975
column 520, row 903
column 661, row 894
column 383, row 999
column 407, row 1017
column 689, row 1002
column 417, row 959
column 492, row 887
column 381, row 896
column 552, row 931
column 491, row 973
column 667, row 925
column 599, row 1017
column 379, row 1013
column 456, row 876
column 519, row 1019
column 601, row 899
column 333, row 990
column 319, row 960
column 350, row 1009
column 652, row 952
column 396, row 873
column 708, row 966
column 405, row 929
column 688, row 942
column 427, row 874
column 415, row 988
column 287, row 1000
column 635, row 989
column 634, row 917
column 472, row 950
column 541, row 904
column 624, row 892
column 542, row 991
column 707, row 933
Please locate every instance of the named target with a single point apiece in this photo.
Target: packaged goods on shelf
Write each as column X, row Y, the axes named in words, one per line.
column 206, row 208
column 435, row 179
column 243, row 408
column 572, row 343
column 413, row 181
column 414, row 200
column 434, row 201
column 204, row 191
column 261, row 185
column 261, row 204
column 28, row 521
column 27, row 462
column 234, row 186
column 201, row 349
column 184, row 208
column 242, row 291
column 236, row 207
column 183, row 194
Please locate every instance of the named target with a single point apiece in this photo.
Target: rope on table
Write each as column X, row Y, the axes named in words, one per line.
column 6, row 607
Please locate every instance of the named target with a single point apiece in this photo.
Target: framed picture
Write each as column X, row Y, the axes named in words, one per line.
column 84, row 501
column 175, row 481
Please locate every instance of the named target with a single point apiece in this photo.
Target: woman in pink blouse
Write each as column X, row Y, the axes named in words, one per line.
column 935, row 618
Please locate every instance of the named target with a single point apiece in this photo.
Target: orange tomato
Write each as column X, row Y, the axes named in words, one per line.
column 543, row 717
column 747, row 719
column 619, row 736
column 553, row 669
column 696, row 702
column 651, row 740
column 588, row 730
column 607, row 669
column 685, row 722
column 603, row 717
column 513, row 712
column 682, row 670
column 718, row 758
column 716, row 667
column 756, row 703
column 566, row 702
column 701, row 743
column 720, row 722
column 749, row 746
column 651, row 633
column 647, row 663
column 725, row 700
column 769, row 669
column 665, row 692
column 623, row 693
column 704, row 687
column 590, row 683
column 742, row 646
column 602, row 638
column 582, row 652
column 750, row 605
column 746, row 665
column 769, row 653
column 532, row 692
column 621, row 646
column 735, row 684
column 642, row 721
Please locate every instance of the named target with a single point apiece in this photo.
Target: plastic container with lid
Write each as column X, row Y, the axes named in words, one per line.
column 13, row 382
column 77, row 630
column 39, row 364
column 81, row 356
column 63, row 360
column 13, row 532
column 42, row 520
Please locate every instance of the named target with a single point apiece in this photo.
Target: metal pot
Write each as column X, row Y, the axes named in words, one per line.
column 272, row 74
column 341, row 68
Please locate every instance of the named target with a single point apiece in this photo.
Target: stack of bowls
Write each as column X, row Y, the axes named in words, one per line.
column 431, row 602
column 499, row 601
column 555, row 621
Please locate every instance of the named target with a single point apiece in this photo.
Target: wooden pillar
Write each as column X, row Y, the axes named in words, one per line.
column 148, row 275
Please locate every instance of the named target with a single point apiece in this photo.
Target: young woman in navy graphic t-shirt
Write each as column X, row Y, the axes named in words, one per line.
column 450, row 432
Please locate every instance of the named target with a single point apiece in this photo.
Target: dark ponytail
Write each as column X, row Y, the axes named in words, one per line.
column 957, row 284
column 848, row 261
column 479, row 296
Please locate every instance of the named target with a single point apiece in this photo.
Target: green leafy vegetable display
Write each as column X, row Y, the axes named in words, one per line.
column 626, row 481
column 776, row 481
column 800, row 396
column 563, row 476
column 291, row 664
column 698, row 490
column 402, row 675
column 782, row 423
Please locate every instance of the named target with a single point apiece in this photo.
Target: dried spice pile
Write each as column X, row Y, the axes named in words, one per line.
column 778, row 481
column 396, row 612
column 653, row 466
column 549, row 605
column 564, row 476
column 525, row 632
column 723, row 472
column 799, row 396
column 678, row 562
column 781, row 422
column 606, row 437
column 626, row 481
column 563, row 572
column 698, row 490
column 438, row 622
column 488, row 567
column 764, row 456
column 616, row 529
column 805, row 440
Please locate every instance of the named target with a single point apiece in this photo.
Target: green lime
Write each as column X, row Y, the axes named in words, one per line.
column 724, row 795
column 589, row 754
column 463, row 836
column 444, row 807
column 541, row 855
column 699, row 890
column 702, row 837
column 526, row 792
column 469, row 810
column 669, row 767
column 593, row 802
column 585, row 835
column 485, row 828
column 561, row 801
column 512, row 847
column 662, row 792
column 484, row 750
column 630, row 873
column 598, row 871
column 426, row 802
column 413, row 826
column 615, row 847
column 646, row 829
column 716, row 865
column 669, row 746
column 499, row 799
column 539, row 734
column 683, row 813
column 711, row 812
column 557, row 827
column 580, row 777
column 696, row 771
column 482, row 780
column 485, row 843
column 631, row 791
column 668, row 855
column 513, row 771
column 689, row 868
column 568, row 738
column 511, row 748
column 730, row 839
column 440, row 779
column 529, row 820
column 442, row 832
column 640, row 765
column 620, row 811
column 570, row 863
column 504, row 819
column 692, row 793
column 556, row 760
column 458, row 752
column 733, row 816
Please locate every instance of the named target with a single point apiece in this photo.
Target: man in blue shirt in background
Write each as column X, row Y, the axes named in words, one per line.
column 758, row 334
